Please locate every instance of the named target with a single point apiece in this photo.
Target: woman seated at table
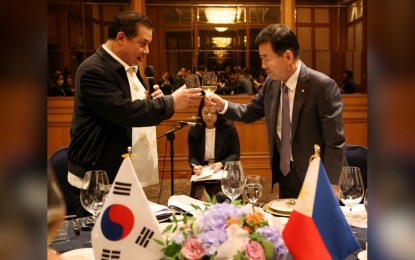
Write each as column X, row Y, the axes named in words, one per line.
column 212, row 142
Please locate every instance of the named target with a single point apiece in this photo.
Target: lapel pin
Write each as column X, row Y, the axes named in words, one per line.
column 302, row 90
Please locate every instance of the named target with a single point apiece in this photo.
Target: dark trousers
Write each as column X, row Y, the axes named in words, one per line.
column 80, row 211
column 290, row 185
column 197, row 189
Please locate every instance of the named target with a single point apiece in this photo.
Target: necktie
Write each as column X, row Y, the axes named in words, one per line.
column 285, row 153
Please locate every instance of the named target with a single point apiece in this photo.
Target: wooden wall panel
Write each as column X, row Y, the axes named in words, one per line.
column 253, row 137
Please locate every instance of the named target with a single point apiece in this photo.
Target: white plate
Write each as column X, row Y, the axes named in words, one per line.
column 79, row 254
column 357, row 217
column 362, row 255
column 281, row 205
column 274, row 212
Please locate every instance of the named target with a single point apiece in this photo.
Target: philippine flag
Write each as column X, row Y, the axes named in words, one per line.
column 126, row 226
column 317, row 228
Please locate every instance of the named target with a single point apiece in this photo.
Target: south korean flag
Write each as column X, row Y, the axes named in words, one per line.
column 126, row 227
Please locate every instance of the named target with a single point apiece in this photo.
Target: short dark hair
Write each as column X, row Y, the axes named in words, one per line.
column 349, row 73
column 281, row 38
column 221, row 122
column 127, row 22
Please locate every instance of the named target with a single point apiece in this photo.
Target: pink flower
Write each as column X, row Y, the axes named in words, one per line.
column 254, row 250
column 192, row 249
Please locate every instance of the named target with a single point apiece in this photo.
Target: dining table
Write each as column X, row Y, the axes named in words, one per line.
column 79, row 239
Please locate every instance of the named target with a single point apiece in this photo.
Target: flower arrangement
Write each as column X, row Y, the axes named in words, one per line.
column 224, row 231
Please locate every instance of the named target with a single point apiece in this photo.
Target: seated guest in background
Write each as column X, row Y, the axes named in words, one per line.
column 201, row 69
column 68, row 85
column 212, row 142
column 258, row 83
column 348, row 83
column 179, row 79
column 165, row 84
column 231, row 85
column 245, row 83
column 56, row 87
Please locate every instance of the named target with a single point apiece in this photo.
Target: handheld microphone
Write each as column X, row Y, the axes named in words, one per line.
column 150, row 73
column 184, row 123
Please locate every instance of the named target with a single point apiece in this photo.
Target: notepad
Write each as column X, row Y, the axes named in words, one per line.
column 207, row 174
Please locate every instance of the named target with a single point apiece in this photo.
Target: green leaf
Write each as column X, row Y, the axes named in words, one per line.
column 172, row 250
column 159, row 242
column 214, row 200
column 208, row 199
column 240, row 256
column 167, row 229
column 195, row 207
column 268, row 248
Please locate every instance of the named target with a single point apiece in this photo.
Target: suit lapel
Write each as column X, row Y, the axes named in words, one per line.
column 299, row 99
column 121, row 73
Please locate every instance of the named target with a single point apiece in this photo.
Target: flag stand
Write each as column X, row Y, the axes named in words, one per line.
column 170, row 136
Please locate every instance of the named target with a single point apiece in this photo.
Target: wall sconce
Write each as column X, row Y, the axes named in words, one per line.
column 222, row 15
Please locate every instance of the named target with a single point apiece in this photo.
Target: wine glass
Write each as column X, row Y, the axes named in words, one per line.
column 365, row 201
column 209, row 83
column 56, row 206
column 232, row 181
column 351, row 186
column 192, row 81
column 253, row 188
column 93, row 191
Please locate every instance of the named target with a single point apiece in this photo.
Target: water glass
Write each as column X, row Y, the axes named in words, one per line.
column 232, row 181
column 351, row 186
column 253, row 188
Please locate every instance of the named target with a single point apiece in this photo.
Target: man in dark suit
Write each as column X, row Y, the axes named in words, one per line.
column 315, row 111
column 106, row 105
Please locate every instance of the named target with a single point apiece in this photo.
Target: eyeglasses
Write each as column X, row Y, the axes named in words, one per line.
column 209, row 113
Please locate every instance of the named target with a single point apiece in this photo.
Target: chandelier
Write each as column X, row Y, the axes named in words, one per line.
column 222, row 42
column 222, row 15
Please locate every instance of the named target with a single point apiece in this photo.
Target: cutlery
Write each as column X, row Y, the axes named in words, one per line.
column 75, row 227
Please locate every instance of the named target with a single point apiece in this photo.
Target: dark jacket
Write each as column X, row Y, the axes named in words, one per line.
column 104, row 115
column 226, row 144
column 316, row 119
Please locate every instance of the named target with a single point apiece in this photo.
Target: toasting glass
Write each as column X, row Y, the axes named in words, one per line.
column 209, row 83
column 192, row 81
column 232, row 181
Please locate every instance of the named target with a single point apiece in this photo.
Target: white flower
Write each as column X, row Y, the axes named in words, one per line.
column 235, row 242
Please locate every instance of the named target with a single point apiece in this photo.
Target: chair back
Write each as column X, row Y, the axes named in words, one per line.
column 356, row 155
column 59, row 163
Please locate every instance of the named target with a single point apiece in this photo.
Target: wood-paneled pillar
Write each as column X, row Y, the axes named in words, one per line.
column 288, row 13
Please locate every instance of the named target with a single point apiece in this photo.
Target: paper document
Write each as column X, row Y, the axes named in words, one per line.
column 161, row 212
column 185, row 203
column 207, row 174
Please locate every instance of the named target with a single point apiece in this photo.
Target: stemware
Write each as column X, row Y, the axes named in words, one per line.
column 192, row 81
column 253, row 188
column 93, row 191
column 232, row 181
column 351, row 186
column 209, row 83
